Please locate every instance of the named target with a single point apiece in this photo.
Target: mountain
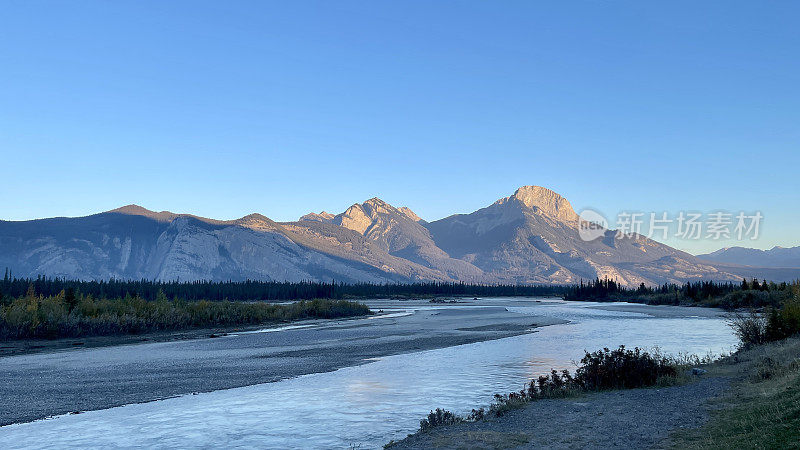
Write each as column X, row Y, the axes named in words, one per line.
column 134, row 243
column 774, row 257
column 400, row 233
column 532, row 237
column 529, row 237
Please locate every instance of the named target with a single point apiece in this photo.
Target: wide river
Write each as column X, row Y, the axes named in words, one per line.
column 367, row 405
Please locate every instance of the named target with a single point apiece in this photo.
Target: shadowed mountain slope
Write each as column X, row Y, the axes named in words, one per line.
column 137, row 243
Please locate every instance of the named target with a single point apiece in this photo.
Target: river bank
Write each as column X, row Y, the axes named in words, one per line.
column 624, row 419
column 746, row 400
column 19, row 347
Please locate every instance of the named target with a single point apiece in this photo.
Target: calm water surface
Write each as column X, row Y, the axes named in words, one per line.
column 369, row 405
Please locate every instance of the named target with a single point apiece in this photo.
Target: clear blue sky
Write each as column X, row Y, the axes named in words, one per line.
column 226, row 108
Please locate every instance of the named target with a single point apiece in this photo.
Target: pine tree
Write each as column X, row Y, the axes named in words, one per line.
column 70, row 299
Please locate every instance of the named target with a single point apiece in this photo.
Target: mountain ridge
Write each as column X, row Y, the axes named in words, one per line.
column 530, row 236
column 776, row 257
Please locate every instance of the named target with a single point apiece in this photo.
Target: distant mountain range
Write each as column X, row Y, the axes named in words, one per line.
column 774, row 257
column 528, row 237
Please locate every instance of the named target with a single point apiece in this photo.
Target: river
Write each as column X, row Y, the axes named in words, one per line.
column 366, row 405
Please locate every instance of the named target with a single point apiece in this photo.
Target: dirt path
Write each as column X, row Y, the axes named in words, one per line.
column 636, row 418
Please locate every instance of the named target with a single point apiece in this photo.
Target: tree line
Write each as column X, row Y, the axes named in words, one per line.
column 12, row 287
column 750, row 294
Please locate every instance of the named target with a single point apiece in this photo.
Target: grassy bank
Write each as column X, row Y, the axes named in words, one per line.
column 69, row 315
column 762, row 409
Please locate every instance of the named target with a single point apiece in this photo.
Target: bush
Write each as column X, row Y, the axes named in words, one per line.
column 603, row 369
column 751, row 328
column 622, row 369
column 773, row 325
column 438, row 418
column 784, row 322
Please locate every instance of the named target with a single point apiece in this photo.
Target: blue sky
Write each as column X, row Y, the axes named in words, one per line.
column 226, row 108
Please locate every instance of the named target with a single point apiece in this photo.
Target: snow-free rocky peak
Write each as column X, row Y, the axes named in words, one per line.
column 545, row 201
column 361, row 217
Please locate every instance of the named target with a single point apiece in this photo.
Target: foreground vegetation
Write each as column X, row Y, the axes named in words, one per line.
column 601, row 370
column 774, row 324
column 70, row 314
column 762, row 409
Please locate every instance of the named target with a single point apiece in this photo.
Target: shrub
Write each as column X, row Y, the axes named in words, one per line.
column 784, row 322
column 775, row 324
column 751, row 328
column 622, row 369
column 438, row 418
column 603, row 369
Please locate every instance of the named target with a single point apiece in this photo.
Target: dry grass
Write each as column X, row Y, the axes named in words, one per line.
column 463, row 440
column 481, row 440
column 762, row 410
